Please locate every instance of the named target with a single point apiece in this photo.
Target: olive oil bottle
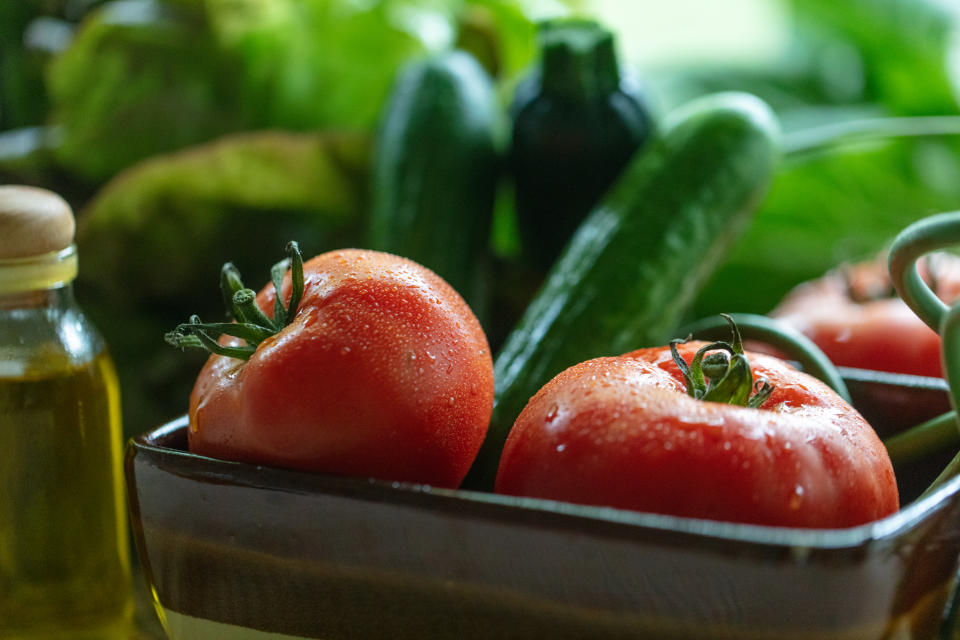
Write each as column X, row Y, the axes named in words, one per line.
column 64, row 550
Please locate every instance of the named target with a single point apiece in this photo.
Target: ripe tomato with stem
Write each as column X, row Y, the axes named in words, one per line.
column 701, row 430
column 356, row 362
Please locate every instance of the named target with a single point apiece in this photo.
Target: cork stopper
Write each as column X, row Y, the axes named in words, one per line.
column 33, row 222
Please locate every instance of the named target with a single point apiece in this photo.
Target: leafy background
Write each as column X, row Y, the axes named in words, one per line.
column 191, row 132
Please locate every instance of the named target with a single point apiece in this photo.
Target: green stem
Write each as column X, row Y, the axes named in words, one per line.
column 230, row 283
column 244, row 308
column 251, row 324
column 823, row 138
column 950, row 352
column 919, row 441
column 693, row 374
column 913, row 243
column 774, row 333
column 735, row 385
column 949, row 472
column 731, row 379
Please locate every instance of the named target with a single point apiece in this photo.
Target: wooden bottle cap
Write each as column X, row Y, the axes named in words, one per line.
column 33, row 222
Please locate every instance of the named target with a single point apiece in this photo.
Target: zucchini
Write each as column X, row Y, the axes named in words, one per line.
column 636, row 263
column 576, row 124
column 435, row 170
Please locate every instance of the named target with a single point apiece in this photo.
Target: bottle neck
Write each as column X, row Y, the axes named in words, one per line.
column 39, row 279
column 56, row 297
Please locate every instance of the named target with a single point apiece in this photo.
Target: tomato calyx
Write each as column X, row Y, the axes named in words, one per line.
column 720, row 372
column 250, row 324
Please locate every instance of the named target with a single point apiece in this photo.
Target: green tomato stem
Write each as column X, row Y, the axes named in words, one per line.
column 731, row 379
column 244, row 308
column 773, row 332
column 251, row 324
column 230, row 283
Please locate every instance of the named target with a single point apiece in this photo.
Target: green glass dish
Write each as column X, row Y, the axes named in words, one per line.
column 233, row 551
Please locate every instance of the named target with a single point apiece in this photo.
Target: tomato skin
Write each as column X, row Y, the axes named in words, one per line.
column 622, row 432
column 384, row 372
column 854, row 329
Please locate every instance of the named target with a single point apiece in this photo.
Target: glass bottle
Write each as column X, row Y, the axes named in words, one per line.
column 64, row 550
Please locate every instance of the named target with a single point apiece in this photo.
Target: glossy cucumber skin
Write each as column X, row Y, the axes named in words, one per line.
column 636, row 263
column 435, row 170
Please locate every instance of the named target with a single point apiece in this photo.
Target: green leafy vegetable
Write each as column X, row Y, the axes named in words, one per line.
column 149, row 76
column 903, row 46
column 141, row 77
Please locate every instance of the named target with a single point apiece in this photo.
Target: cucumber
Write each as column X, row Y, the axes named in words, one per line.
column 435, row 170
column 634, row 266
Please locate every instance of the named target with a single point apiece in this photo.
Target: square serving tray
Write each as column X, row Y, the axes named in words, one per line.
column 232, row 551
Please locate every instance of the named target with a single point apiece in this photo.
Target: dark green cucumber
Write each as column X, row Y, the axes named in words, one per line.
column 435, row 170
column 633, row 267
column 576, row 124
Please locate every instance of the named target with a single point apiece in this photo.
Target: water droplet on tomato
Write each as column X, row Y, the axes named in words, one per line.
column 552, row 413
column 345, row 350
column 561, row 447
column 796, row 499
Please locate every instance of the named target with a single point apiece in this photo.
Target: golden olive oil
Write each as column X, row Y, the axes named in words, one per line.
column 64, row 551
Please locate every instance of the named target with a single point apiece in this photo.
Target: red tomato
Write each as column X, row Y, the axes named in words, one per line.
column 622, row 432
column 850, row 314
column 384, row 371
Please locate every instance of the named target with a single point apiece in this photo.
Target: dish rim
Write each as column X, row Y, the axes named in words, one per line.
column 244, row 474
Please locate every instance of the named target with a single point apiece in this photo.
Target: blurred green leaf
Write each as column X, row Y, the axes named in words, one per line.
column 904, row 45
column 825, row 209
column 501, row 34
column 889, row 55
column 317, row 63
column 157, row 228
column 141, row 77
column 149, row 76
column 23, row 100
column 25, row 151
